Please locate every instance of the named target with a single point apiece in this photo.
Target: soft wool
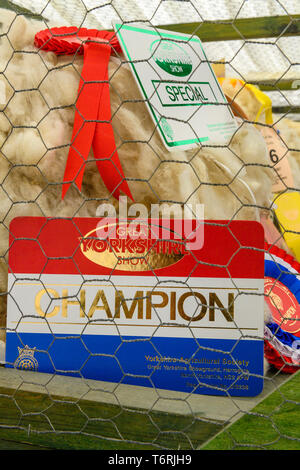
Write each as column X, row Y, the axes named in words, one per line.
column 35, row 132
column 289, row 129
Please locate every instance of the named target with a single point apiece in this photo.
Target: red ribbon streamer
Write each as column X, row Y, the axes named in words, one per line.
column 92, row 122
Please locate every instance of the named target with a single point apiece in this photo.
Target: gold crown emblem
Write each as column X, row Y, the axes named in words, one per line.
column 26, row 359
column 26, row 351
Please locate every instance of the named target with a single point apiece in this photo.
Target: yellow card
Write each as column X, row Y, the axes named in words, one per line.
column 287, row 211
column 278, row 153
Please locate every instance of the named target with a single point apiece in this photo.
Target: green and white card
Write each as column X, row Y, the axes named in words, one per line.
column 180, row 89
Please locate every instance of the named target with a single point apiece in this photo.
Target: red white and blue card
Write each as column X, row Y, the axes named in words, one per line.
column 139, row 304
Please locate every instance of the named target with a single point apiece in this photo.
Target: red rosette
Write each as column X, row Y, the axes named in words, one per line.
column 280, row 253
column 282, row 363
column 282, row 288
column 70, row 40
column 92, row 123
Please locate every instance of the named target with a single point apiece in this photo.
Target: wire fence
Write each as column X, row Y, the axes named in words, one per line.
column 97, row 345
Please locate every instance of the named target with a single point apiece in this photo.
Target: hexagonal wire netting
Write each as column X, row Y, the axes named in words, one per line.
column 248, row 42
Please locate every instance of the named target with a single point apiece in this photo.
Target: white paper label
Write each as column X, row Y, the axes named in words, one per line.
column 181, row 91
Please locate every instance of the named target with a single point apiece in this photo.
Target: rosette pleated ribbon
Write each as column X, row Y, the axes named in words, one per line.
column 281, row 347
column 92, row 123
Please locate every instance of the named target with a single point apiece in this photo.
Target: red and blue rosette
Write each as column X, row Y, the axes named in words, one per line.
column 92, row 124
column 282, row 294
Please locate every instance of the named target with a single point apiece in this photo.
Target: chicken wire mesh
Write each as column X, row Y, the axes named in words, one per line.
column 39, row 97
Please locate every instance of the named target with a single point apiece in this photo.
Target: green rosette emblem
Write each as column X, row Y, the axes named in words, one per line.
column 171, row 57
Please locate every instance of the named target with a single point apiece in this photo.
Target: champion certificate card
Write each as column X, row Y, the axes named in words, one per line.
column 111, row 301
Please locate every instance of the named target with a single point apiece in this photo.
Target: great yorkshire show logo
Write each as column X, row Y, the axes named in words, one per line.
column 135, row 240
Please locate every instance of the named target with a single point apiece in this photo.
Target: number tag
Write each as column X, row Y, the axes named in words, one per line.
column 278, row 154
